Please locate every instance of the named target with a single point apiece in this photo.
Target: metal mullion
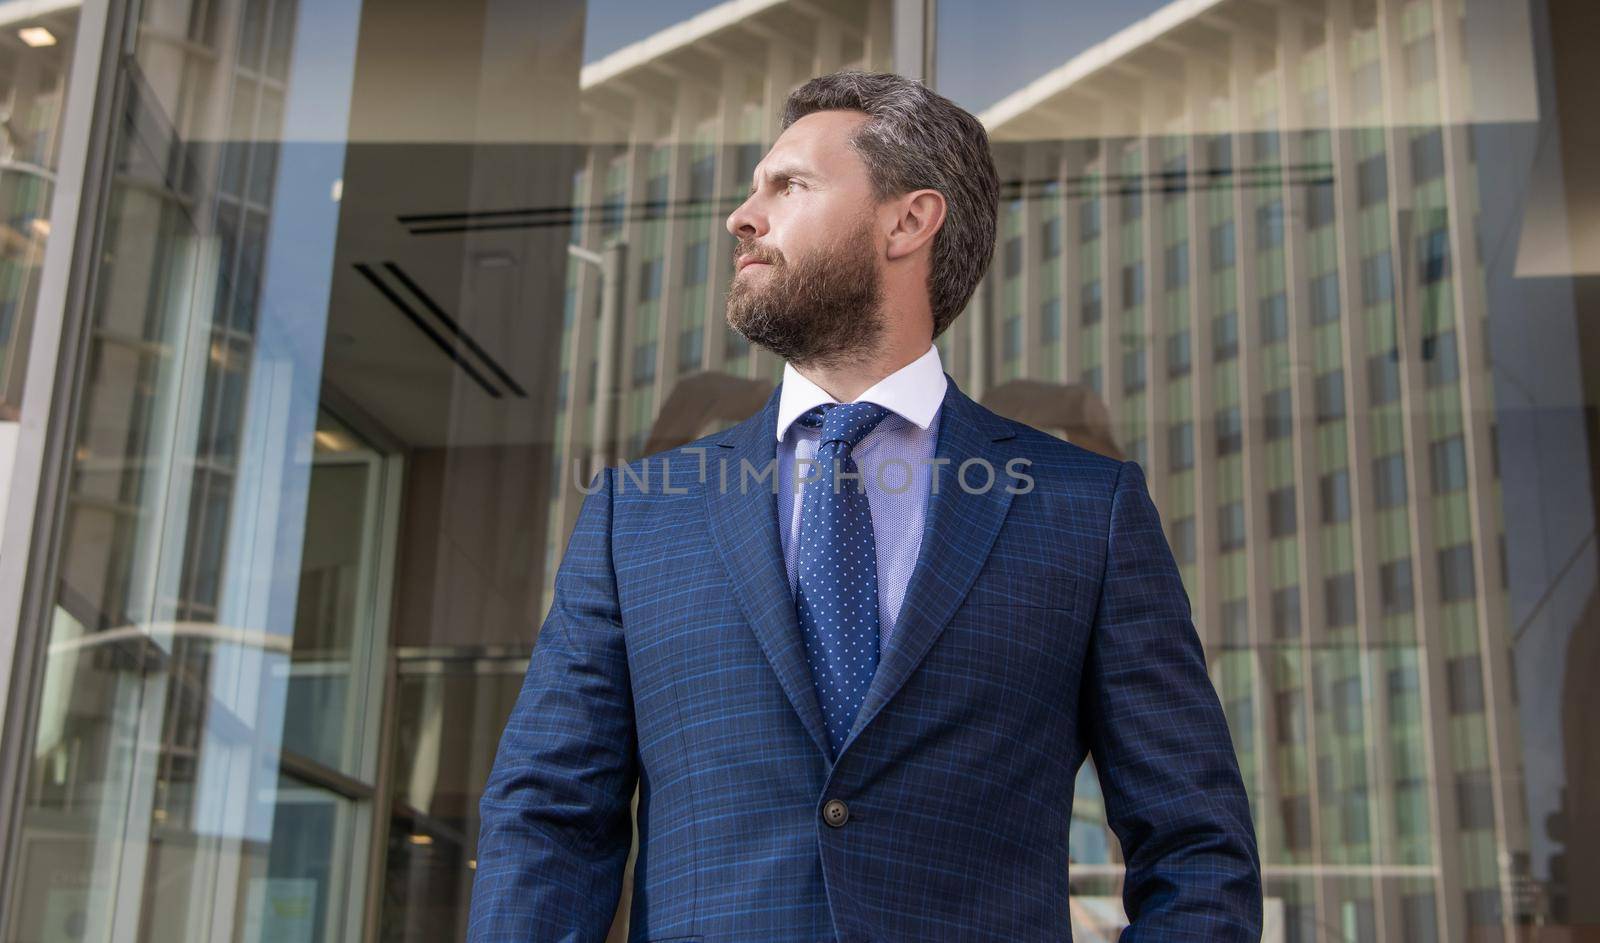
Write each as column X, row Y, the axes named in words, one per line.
column 1473, row 400
column 1450, row 905
column 57, row 359
column 1291, row 133
column 1352, row 330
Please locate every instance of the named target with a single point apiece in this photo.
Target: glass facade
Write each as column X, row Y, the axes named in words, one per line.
column 35, row 61
column 368, row 290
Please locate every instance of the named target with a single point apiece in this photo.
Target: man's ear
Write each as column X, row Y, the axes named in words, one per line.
column 918, row 216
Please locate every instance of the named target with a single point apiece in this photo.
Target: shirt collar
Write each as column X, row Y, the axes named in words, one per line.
column 915, row 392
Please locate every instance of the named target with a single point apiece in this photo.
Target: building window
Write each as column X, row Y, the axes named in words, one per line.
column 1319, row 205
column 1372, row 181
column 1427, row 156
column 1177, row 267
column 1225, row 336
column 1395, row 587
column 1132, row 204
column 1336, row 497
column 1183, row 540
column 1090, row 302
column 1137, row 453
column 1330, row 396
column 1358, row 831
column 734, row 345
column 1281, row 521
column 1389, row 480
column 1377, row 278
column 1133, row 285
column 1050, row 321
column 1291, row 722
column 703, row 179
column 1264, row 145
column 1278, row 414
column 655, row 197
column 1274, row 319
column 1475, row 800
column 1464, row 681
column 1011, row 339
column 1013, row 257
column 1092, row 379
column 1269, row 225
column 1235, row 623
column 1050, row 237
column 1449, row 465
column 1230, row 433
column 1339, row 599
column 1222, row 246
column 1440, row 361
column 1433, row 251
column 689, row 344
column 1419, row 918
column 1089, row 220
column 1347, row 707
column 1178, row 361
column 1383, row 378
column 1133, row 373
column 1456, row 580
column 1296, row 820
column 1286, row 612
column 1175, row 177
column 1483, row 907
column 1180, row 446
column 644, row 363
column 696, row 262
column 1219, row 156
column 1325, row 298
column 1230, row 526
column 650, row 280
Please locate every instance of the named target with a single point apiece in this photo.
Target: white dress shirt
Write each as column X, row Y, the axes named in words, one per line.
column 895, row 461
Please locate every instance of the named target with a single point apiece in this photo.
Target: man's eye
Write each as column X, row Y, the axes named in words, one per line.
column 787, row 183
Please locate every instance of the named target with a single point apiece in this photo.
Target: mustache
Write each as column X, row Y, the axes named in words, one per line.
column 757, row 254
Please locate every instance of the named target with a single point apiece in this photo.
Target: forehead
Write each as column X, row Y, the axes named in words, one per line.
column 818, row 142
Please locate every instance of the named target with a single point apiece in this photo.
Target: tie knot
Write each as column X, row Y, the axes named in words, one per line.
column 844, row 422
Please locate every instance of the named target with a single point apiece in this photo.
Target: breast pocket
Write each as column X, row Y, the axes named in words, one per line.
column 1006, row 584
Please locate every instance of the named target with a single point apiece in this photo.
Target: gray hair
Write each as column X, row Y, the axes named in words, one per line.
column 918, row 139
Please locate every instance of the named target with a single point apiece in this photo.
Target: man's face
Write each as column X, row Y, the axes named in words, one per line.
column 806, row 283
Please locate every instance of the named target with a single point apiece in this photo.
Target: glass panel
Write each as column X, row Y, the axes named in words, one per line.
column 328, row 269
column 204, row 759
column 35, row 62
column 1378, row 184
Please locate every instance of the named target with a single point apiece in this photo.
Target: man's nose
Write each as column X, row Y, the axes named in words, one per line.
column 745, row 222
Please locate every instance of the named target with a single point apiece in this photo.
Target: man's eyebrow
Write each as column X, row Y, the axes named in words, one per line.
column 778, row 173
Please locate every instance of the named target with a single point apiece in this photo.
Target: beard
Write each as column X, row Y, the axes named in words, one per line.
column 825, row 310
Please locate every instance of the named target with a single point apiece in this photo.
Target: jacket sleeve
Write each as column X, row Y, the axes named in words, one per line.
column 556, row 827
column 1161, row 746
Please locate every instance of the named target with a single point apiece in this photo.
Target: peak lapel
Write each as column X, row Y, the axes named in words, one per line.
column 742, row 508
column 960, row 529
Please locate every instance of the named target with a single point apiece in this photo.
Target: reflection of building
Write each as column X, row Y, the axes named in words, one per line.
column 1265, row 244
column 1251, row 228
column 676, row 124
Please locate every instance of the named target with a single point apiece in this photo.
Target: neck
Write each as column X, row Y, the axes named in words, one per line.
column 847, row 379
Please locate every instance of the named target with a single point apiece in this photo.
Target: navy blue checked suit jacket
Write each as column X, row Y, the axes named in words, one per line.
column 1038, row 628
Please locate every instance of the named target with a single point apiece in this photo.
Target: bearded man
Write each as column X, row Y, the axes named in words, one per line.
column 854, row 650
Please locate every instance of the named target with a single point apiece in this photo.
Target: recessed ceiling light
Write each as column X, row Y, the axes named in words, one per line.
column 36, row 36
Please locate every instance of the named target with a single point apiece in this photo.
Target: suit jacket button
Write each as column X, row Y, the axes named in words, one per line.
column 835, row 813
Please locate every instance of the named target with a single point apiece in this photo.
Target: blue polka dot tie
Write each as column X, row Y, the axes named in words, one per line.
column 836, row 591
